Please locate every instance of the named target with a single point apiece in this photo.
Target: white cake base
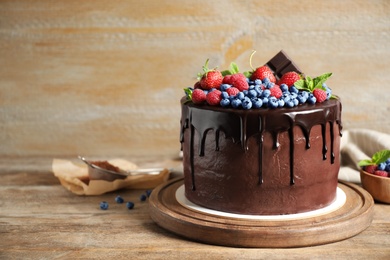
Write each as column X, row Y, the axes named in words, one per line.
column 336, row 204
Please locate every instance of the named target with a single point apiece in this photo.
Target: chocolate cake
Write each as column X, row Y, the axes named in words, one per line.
column 266, row 160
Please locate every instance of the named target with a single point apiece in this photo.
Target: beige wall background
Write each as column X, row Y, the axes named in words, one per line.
column 104, row 78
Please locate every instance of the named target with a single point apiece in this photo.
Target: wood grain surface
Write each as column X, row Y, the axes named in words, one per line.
column 40, row 219
column 104, row 79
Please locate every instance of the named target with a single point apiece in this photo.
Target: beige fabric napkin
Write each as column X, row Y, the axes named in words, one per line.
column 74, row 177
column 356, row 145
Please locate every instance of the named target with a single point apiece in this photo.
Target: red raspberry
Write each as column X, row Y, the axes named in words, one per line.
column 276, row 91
column 381, row 173
column 320, row 95
column 198, row 96
column 262, row 73
column 232, row 91
column 237, row 80
column 370, row 168
column 289, row 78
column 213, row 98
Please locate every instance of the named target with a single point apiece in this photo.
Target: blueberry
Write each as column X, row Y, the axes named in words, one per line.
column 283, row 87
column 246, row 103
column 289, row 103
column 269, row 84
column 281, row 103
column 302, row 99
column 245, row 92
column 148, row 192
column 240, row 95
column 119, row 199
column 103, row 205
column 258, row 82
column 266, row 80
column 236, row 103
column 266, row 93
column 387, row 168
column 286, row 96
column 256, row 102
column 130, row 205
column 258, row 90
column 382, row 166
column 252, row 93
column 293, row 89
column 293, row 95
column 328, row 92
column 311, row 99
column 273, row 102
column 225, row 102
column 224, row 87
column 265, row 101
column 224, row 94
column 142, row 197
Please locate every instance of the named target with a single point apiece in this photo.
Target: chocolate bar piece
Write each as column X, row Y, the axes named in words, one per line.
column 281, row 64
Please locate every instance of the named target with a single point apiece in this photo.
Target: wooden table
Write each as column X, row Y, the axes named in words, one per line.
column 40, row 219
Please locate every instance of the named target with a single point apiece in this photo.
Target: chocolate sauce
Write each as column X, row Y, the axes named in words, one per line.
column 239, row 125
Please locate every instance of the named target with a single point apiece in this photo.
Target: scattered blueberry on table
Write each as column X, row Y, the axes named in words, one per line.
column 119, row 199
column 104, row 205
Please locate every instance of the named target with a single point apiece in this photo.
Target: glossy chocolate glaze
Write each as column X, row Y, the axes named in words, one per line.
column 261, row 161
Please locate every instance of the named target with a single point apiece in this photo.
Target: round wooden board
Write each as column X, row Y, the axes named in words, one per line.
column 352, row 218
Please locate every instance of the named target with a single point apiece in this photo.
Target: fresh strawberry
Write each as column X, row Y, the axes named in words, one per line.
column 276, row 91
column 227, row 79
column 370, row 168
column 198, row 96
column 289, row 78
column 381, row 173
column 213, row 98
column 232, row 91
column 210, row 78
column 320, row 95
column 262, row 73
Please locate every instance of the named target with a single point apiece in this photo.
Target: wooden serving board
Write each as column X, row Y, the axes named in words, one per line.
column 347, row 221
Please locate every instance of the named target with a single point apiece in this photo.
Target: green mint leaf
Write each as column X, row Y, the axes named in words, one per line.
column 365, row 162
column 234, row 68
column 309, row 83
column 226, row 72
column 248, row 74
column 300, row 84
column 381, row 156
column 317, row 82
column 188, row 93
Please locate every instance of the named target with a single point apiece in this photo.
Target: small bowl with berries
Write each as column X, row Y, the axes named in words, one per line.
column 375, row 175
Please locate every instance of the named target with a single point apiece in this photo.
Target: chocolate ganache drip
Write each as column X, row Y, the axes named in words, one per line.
column 239, row 125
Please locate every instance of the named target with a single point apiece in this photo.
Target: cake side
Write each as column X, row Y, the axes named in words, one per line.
column 245, row 161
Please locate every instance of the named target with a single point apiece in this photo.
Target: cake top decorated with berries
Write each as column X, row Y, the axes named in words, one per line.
column 277, row 84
